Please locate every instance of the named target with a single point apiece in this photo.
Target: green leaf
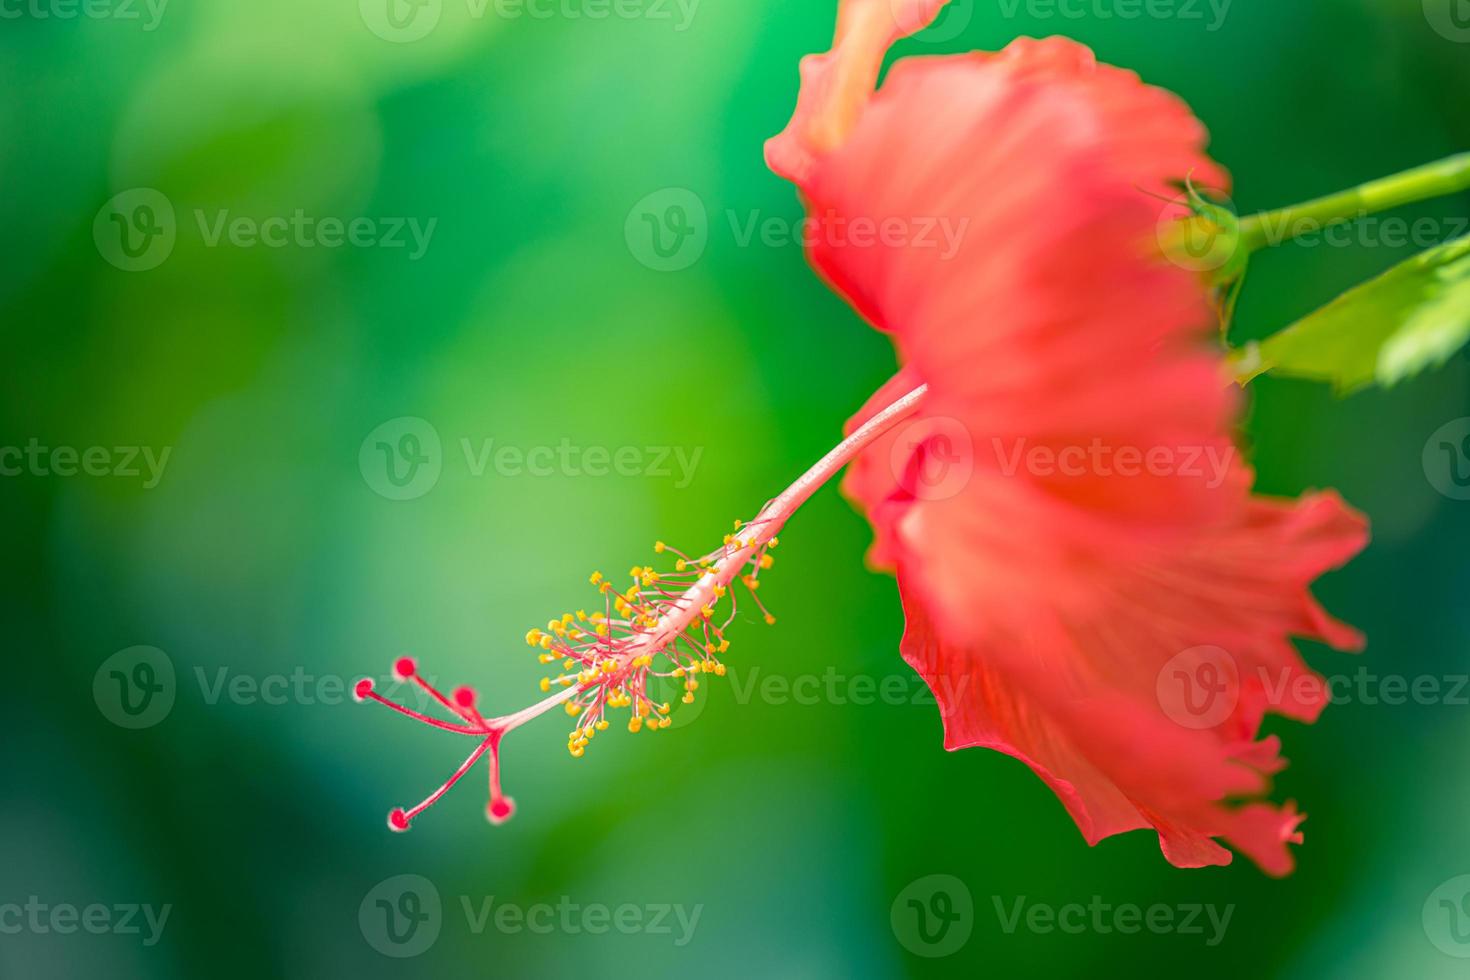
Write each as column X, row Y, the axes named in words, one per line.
column 1415, row 316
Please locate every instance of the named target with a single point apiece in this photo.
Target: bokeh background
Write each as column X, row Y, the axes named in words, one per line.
column 270, row 564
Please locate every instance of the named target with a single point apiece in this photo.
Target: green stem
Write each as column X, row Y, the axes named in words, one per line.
column 1449, row 176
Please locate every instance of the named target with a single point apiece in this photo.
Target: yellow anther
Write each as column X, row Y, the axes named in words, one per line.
column 770, row 620
column 545, row 642
column 663, row 709
column 565, row 681
column 680, row 565
column 659, row 546
column 719, row 591
column 567, row 618
column 767, row 561
column 666, row 723
column 707, row 611
column 602, row 725
column 546, row 658
column 545, row 684
column 694, row 667
column 568, row 664
column 724, row 645
column 533, row 637
column 720, row 670
column 634, row 724
column 709, row 648
column 688, row 697
column 691, row 685
column 573, row 708
column 596, row 578
column 774, row 542
column 678, row 671
column 582, row 615
column 577, row 751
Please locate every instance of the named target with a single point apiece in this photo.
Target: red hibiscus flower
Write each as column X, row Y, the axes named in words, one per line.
column 1089, row 583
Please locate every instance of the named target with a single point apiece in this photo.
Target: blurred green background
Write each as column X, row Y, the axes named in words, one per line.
column 271, row 555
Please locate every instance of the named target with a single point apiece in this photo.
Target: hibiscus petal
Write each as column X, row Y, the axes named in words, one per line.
column 1075, row 617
